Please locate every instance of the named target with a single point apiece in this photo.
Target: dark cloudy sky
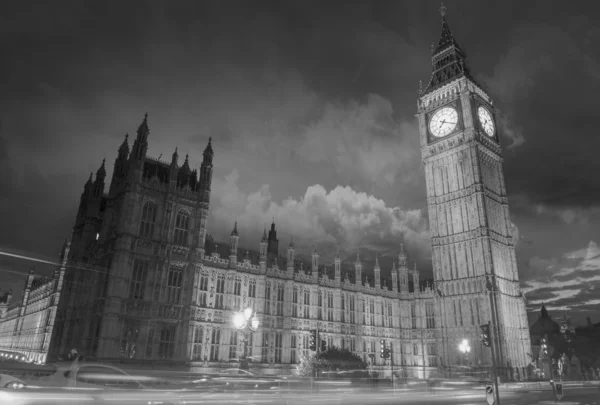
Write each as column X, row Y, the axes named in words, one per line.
column 311, row 108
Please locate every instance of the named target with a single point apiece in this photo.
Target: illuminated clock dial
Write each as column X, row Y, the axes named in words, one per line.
column 486, row 121
column 443, row 122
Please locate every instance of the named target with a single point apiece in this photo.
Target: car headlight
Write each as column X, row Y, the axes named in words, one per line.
column 14, row 385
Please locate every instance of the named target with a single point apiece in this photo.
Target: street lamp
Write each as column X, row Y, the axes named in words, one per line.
column 465, row 349
column 246, row 322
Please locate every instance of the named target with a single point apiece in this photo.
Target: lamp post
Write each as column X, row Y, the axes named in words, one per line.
column 246, row 322
column 465, row 349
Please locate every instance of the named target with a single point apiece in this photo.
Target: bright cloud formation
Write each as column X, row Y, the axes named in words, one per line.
column 341, row 216
column 570, row 283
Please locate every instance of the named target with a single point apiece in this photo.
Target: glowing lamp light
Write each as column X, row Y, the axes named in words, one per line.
column 254, row 322
column 248, row 313
column 239, row 320
column 464, row 346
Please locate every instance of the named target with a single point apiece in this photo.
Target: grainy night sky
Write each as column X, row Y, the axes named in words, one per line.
column 311, row 108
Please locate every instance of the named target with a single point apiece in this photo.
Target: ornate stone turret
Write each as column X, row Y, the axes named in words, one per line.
column 315, row 260
column 358, row 270
column 403, row 270
column 272, row 244
column 120, row 167
column 99, row 183
column 205, row 182
column 291, row 256
column 338, row 266
column 415, row 275
column 263, row 248
column 394, row 276
column 377, row 272
column 233, row 246
column 140, row 145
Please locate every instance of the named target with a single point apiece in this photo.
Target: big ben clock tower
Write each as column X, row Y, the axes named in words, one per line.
column 474, row 261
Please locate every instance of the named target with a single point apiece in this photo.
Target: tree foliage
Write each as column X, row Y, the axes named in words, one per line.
column 333, row 359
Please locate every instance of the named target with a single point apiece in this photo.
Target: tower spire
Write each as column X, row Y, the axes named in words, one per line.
column 448, row 58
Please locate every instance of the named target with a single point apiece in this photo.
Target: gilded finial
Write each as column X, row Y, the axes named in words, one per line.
column 443, row 10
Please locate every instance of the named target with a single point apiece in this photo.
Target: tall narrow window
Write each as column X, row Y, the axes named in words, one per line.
column 295, row 302
column 352, row 310
column 220, row 293
column 166, row 345
column 268, row 298
column 150, row 343
column 197, row 348
column 280, row 300
column 265, row 347
column 278, row 346
column 182, row 228
column 237, row 292
column 293, row 349
column 343, row 309
column 390, row 314
column 174, row 279
column 252, row 289
column 148, row 220
column 233, row 345
column 472, row 312
column 330, row 306
column 306, row 304
column 413, row 315
column 215, row 341
column 320, row 305
column 430, row 315
column 203, row 290
column 138, row 279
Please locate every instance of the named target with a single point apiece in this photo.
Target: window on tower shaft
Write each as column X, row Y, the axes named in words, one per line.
column 182, row 226
column 148, row 220
column 174, row 280
column 137, row 282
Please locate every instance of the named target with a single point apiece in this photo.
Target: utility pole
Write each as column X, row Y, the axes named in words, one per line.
column 488, row 341
column 392, row 367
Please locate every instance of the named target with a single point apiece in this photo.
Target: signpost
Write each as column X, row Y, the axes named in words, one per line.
column 558, row 386
column 489, row 394
column 486, row 339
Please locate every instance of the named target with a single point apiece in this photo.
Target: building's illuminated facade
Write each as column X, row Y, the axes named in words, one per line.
column 26, row 327
column 140, row 286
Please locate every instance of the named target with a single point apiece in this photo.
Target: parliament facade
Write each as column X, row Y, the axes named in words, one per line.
column 140, row 284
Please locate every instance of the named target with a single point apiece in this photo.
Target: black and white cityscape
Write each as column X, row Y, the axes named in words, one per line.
column 279, row 202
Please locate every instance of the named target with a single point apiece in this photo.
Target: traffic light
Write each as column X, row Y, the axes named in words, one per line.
column 313, row 340
column 485, row 335
column 383, row 349
column 544, row 344
column 323, row 345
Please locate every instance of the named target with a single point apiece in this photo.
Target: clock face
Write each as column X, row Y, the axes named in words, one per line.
column 486, row 120
column 443, row 122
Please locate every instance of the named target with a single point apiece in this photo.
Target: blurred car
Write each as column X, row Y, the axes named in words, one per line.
column 237, row 379
column 11, row 382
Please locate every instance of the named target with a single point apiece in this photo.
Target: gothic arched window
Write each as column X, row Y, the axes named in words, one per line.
column 148, row 219
column 182, row 228
column 174, row 282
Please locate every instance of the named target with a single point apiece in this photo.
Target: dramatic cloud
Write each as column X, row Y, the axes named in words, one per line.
column 567, row 284
column 338, row 217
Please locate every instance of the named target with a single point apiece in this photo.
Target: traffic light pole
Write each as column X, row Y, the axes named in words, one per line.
column 494, row 370
column 392, row 368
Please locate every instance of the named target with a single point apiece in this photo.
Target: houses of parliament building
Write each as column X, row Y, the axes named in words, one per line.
column 136, row 282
